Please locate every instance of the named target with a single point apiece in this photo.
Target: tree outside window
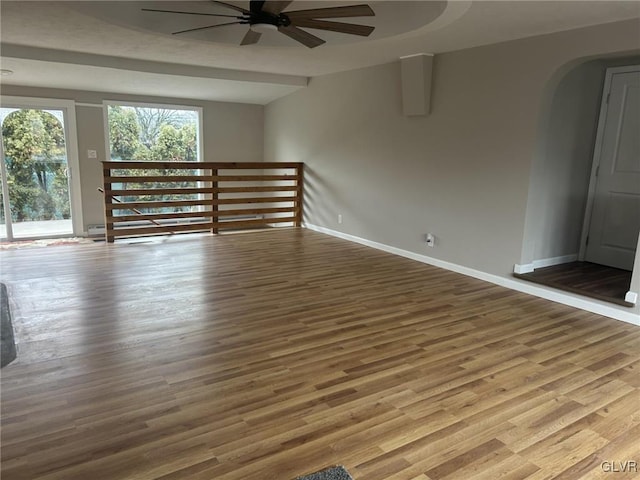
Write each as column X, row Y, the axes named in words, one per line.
column 154, row 134
column 36, row 165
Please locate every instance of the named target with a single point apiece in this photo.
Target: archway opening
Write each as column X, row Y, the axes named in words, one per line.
column 561, row 190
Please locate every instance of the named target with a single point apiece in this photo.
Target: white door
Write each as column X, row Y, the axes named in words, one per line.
column 615, row 218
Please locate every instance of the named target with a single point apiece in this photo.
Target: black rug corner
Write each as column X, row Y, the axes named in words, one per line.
column 332, row 473
column 8, row 345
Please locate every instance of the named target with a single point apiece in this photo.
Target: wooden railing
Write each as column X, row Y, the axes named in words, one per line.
column 222, row 196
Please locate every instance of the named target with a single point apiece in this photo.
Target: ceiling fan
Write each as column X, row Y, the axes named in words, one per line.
column 264, row 16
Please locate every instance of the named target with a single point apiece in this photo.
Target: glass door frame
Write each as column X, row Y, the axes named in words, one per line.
column 68, row 108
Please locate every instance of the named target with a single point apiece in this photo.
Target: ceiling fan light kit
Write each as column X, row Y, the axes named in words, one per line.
column 268, row 16
column 263, row 27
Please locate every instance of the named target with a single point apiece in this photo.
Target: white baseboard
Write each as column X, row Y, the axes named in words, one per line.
column 523, row 268
column 550, row 262
column 544, row 262
column 553, row 295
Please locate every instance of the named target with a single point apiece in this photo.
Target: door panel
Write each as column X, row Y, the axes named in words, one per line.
column 615, row 220
column 627, row 142
column 619, row 208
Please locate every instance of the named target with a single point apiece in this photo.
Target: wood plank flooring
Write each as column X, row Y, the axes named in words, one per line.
column 584, row 278
column 274, row 354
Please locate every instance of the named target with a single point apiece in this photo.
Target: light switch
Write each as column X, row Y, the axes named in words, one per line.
column 92, row 154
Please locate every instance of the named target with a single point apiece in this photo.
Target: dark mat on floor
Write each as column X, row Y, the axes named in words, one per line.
column 331, row 473
column 8, row 346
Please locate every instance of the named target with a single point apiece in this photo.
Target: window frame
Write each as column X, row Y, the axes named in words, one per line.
column 164, row 106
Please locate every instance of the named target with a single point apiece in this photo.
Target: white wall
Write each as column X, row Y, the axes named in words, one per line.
column 233, row 132
column 462, row 172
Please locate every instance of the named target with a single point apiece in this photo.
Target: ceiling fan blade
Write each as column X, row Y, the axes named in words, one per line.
column 301, row 36
column 333, row 12
column 204, row 28
column 189, row 13
column 233, row 7
column 351, row 28
column 256, row 6
column 275, row 7
column 250, row 38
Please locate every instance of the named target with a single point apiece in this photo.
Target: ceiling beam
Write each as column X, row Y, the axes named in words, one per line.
column 131, row 64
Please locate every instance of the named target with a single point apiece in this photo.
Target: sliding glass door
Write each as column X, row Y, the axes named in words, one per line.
column 37, row 200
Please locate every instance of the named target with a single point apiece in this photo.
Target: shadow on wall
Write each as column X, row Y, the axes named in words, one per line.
column 314, row 184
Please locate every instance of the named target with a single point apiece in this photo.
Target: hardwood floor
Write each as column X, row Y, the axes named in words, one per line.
column 584, row 278
column 274, row 354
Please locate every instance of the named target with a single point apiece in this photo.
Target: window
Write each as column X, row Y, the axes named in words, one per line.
column 155, row 133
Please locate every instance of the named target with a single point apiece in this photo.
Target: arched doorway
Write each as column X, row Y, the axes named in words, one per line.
column 561, row 188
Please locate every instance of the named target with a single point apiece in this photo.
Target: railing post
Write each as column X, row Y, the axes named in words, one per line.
column 214, row 201
column 108, row 201
column 299, row 193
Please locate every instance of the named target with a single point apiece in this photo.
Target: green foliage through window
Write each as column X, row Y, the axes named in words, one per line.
column 36, row 163
column 154, row 134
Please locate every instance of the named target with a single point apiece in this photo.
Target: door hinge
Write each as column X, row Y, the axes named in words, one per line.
column 587, row 241
column 608, row 97
column 597, row 170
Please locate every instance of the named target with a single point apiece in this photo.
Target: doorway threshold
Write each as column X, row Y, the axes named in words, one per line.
column 583, row 278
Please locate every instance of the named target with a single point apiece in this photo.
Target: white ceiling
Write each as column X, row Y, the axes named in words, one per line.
column 114, row 47
column 391, row 18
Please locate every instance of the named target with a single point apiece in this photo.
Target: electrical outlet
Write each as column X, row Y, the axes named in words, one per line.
column 339, row 218
column 430, row 239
